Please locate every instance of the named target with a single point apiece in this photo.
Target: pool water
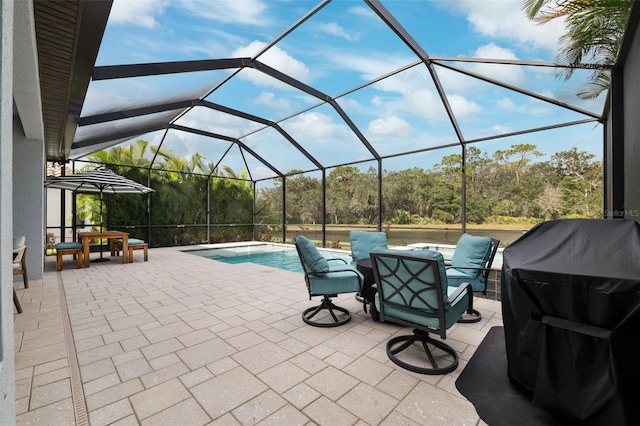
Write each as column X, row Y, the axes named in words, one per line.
column 281, row 257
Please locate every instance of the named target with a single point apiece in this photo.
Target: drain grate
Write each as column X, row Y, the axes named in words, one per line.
column 77, row 391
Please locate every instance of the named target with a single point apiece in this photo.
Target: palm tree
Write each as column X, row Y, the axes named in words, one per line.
column 594, row 31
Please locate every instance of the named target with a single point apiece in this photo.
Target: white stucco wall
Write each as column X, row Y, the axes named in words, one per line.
column 7, row 387
column 28, row 198
column 21, row 172
column 28, row 137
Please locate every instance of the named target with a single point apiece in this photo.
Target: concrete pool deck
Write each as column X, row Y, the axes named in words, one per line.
column 181, row 339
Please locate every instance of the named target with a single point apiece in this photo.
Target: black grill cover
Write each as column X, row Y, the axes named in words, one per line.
column 571, row 311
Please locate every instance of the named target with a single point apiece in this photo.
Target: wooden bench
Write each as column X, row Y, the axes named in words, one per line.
column 68, row 248
column 133, row 244
column 137, row 246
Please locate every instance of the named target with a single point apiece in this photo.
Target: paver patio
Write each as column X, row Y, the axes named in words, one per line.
column 181, row 340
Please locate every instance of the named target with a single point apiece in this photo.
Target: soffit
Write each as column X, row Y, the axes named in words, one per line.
column 68, row 36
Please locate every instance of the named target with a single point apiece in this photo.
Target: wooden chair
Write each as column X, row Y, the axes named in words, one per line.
column 73, row 248
column 20, row 268
column 20, row 264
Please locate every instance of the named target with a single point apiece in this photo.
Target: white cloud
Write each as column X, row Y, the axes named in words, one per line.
column 506, row 20
column 462, row 107
column 314, row 126
column 261, row 172
column 500, row 130
column 96, row 100
column 351, row 105
column 391, row 125
column 269, row 99
column 547, row 94
column 363, row 11
column 216, row 122
column 424, row 103
column 250, row 12
column 505, row 103
column 510, row 74
column 371, row 65
column 141, row 13
column 275, row 58
column 334, row 29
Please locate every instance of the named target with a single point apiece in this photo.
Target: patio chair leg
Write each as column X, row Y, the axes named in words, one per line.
column 327, row 304
column 470, row 318
column 17, row 302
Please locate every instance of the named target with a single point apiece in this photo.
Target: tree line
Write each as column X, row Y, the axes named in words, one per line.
column 506, row 187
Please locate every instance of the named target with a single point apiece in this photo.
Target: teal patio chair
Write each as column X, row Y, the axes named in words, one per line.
column 326, row 280
column 413, row 291
column 471, row 263
column 364, row 242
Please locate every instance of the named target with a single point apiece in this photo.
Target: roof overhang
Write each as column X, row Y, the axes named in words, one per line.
column 68, row 36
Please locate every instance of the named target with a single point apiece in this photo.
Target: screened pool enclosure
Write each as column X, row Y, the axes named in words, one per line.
column 265, row 120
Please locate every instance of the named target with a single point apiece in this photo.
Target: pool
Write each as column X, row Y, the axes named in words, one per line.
column 273, row 255
column 286, row 257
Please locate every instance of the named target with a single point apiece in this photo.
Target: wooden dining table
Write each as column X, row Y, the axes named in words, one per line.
column 86, row 236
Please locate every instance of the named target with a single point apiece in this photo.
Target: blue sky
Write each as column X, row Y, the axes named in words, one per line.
column 343, row 46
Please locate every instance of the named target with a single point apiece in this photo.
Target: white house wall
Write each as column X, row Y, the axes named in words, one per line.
column 21, row 172
column 7, row 387
column 28, row 198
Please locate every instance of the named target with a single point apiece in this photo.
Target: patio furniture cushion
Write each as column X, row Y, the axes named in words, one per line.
column 364, row 242
column 311, row 256
column 68, row 246
column 18, row 242
column 339, row 280
column 130, row 241
column 457, row 277
column 471, row 252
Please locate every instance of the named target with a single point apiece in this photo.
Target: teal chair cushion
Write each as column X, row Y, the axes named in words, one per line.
column 456, row 277
column 364, row 242
column 68, row 246
column 311, row 256
column 336, row 282
column 453, row 311
column 131, row 241
column 419, row 312
column 471, row 252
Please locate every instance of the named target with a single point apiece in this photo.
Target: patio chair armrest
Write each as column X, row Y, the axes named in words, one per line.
column 459, row 290
column 473, row 268
column 336, row 258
